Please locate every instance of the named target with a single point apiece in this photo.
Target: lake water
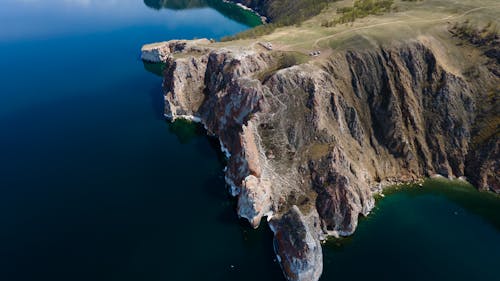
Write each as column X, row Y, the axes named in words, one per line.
column 96, row 185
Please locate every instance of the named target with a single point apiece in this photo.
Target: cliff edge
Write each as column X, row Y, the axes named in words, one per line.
column 310, row 142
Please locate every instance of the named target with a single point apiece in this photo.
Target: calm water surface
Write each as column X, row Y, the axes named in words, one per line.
column 441, row 231
column 95, row 185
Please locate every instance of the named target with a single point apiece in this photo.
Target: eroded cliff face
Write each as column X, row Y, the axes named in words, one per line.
column 310, row 145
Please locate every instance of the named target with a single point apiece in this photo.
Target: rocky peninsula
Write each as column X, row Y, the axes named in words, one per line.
column 311, row 139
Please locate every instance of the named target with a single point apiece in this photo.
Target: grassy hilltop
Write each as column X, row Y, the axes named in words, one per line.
column 348, row 23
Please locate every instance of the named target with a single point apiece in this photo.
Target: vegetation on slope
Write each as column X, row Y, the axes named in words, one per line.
column 360, row 9
column 487, row 39
column 487, row 35
column 283, row 13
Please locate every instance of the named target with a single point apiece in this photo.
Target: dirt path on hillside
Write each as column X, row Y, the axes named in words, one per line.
column 450, row 17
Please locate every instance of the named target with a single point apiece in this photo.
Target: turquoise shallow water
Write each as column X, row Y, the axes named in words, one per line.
column 443, row 231
column 95, row 185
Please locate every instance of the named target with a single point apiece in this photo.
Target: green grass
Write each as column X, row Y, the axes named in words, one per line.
column 283, row 13
column 253, row 33
column 360, row 9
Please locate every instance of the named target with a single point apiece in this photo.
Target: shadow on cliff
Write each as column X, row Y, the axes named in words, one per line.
column 229, row 10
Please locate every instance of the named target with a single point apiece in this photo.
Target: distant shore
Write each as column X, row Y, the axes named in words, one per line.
column 263, row 19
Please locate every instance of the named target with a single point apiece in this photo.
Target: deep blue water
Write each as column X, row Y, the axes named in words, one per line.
column 96, row 185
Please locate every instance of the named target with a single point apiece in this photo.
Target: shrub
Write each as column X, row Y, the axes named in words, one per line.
column 283, row 13
column 360, row 9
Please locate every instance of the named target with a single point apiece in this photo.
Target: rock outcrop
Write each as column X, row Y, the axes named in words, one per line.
column 164, row 51
column 309, row 145
column 297, row 248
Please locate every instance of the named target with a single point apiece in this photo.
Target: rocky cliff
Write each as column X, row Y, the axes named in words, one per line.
column 309, row 145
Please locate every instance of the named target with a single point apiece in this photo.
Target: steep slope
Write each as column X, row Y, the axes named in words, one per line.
column 310, row 140
column 308, row 146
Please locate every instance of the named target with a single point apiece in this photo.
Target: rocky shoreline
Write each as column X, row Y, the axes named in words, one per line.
column 309, row 146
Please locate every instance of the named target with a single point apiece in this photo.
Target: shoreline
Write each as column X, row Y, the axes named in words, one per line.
column 263, row 19
column 315, row 143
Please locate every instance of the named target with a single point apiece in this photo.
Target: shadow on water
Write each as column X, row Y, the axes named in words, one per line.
column 213, row 187
column 155, row 68
column 258, row 243
column 229, row 10
column 157, row 102
column 185, row 131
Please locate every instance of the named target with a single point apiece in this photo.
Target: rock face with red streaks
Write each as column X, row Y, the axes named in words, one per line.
column 296, row 246
column 309, row 145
